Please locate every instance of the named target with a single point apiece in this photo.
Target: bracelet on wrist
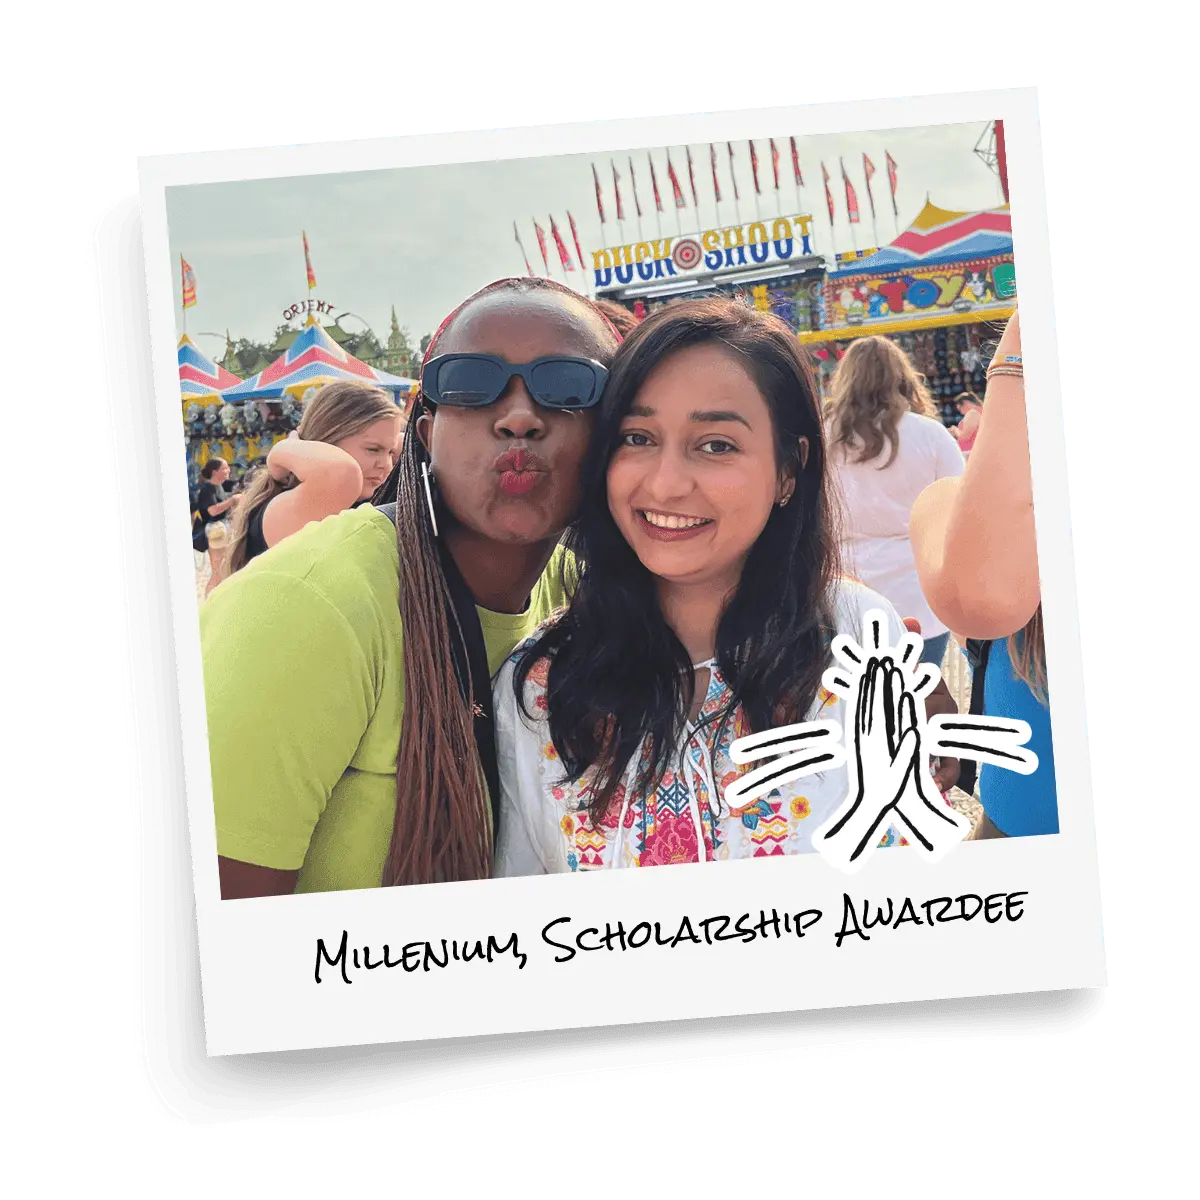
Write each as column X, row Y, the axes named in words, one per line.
column 1013, row 370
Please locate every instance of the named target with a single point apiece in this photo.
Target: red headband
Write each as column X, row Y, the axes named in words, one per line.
column 552, row 284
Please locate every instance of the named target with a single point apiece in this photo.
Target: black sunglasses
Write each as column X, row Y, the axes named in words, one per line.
column 477, row 380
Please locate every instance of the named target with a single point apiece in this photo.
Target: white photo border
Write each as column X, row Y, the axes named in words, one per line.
column 257, row 957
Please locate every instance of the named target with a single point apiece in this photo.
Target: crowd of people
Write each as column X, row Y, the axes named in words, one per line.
column 520, row 632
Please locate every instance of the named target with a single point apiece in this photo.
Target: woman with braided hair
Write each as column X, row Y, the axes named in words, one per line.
column 347, row 676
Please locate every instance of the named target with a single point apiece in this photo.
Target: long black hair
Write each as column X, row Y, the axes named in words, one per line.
column 618, row 673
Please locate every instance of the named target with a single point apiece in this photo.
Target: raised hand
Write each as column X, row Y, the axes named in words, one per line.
column 890, row 782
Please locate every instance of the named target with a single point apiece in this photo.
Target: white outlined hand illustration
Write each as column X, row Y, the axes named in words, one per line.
column 890, row 779
column 793, row 750
column 889, row 742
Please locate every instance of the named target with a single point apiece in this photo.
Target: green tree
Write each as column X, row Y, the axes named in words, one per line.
column 244, row 357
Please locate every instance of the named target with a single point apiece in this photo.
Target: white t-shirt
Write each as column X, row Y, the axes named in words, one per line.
column 544, row 823
column 877, row 505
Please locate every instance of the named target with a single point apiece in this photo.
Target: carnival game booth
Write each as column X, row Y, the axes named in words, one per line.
column 201, row 382
column 942, row 290
column 770, row 264
column 261, row 410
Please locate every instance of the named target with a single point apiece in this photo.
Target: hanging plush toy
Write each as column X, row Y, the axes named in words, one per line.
column 229, row 418
column 251, row 417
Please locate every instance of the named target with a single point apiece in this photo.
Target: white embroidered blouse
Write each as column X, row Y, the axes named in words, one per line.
column 544, row 825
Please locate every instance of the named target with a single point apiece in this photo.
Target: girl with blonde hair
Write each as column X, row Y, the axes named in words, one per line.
column 886, row 447
column 344, row 448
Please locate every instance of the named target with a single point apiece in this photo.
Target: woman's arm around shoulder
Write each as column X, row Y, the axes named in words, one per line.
column 329, row 482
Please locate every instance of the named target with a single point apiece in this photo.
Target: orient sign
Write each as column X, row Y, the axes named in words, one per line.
column 303, row 307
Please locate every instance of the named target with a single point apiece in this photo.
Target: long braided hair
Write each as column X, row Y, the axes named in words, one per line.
column 442, row 830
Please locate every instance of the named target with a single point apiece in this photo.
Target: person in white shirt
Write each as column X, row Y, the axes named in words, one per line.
column 886, row 448
column 708, row 594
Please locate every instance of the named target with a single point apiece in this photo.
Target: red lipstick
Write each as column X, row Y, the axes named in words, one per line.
column 520, row 471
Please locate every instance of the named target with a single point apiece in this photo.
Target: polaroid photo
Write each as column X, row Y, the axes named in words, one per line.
column 650, row 494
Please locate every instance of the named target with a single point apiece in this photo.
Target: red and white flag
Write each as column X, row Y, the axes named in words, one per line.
column 312, row 279
column 796, row 164
column 868, row 171
column 617, row 189
column 187, row 281
column 891, row 170
column 561, row 247
column 599, row 195
column 692, row 180
column 775, row 162
column 654, row 183
column 677, row 191
column 851, row 196
column 575, row 235
column 637, row 204
column 754, row 167
column 517, row 235
column 828, row 193
column 712, row 154
column 732, row 173
column 541, row 237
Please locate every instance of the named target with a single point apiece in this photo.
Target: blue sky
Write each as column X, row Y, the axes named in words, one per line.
column 423, row 238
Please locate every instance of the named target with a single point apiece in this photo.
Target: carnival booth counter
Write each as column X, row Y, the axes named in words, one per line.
column 941, row 290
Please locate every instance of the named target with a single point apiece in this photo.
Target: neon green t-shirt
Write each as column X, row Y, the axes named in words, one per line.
column 304, row 684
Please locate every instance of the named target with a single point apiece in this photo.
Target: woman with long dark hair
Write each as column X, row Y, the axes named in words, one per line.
column 347, row 673
column 339, row 456
column 708, row 595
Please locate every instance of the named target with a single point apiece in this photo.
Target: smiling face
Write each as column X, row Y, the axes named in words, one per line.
column 695, row 476
column 511, row 472
column 374, row 449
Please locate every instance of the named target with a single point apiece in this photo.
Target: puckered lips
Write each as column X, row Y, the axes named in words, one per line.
column 520, row 471
column 671, row 527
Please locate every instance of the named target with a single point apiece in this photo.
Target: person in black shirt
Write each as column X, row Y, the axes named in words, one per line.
column 212, row 503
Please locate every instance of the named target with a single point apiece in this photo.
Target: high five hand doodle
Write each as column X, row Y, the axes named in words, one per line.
column 888, row 745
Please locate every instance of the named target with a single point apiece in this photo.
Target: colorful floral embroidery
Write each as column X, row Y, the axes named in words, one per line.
column 752, row 813
column 769, row 834
column 589, row 842
column 673, row 842
column 682, row 820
